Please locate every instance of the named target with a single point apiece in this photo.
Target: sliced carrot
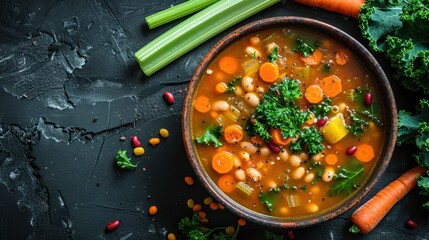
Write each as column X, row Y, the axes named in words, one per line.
column 348, row 8
column 364, row 153
column 223, row 162
column 256, row 140
column 229, row 65
column 331, row 86
column 314, row 94
column 221, row 88
column 214, row 114
column 202, row 104
column 226, row 183
column 277, row 137
column 269, row 72
column 341, row 58
column 314, row 59
column 367, row 216
column 331, row 159
column 233, row 133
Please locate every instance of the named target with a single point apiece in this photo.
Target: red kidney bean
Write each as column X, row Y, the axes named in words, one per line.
column 112, row 225
column 367, row 98
column 274, row 147
column 411, row 224
column 135, row 141
column 290, row 234
column 169, row 98
column 321, row 122
column 351, row 150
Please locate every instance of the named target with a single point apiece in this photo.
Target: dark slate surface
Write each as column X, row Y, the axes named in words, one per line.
column 71, row 89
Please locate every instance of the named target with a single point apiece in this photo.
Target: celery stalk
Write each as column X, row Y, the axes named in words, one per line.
column 175, row 12
column 195, row 30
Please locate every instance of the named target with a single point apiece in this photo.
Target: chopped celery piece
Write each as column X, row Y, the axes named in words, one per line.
column 349, row 95
column 175, row 12
column 302, row 73
column 195, row 30
column 292, row 201
column 244, row 188
column 335, row 129
column 250, row 67
column 233, row 113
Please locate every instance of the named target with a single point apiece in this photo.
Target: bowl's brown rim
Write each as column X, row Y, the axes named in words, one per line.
column 327, row 30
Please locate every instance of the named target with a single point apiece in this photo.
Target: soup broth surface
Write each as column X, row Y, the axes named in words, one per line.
column 287, row 123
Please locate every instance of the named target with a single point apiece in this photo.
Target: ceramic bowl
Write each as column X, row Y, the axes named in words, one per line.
column 388, row 103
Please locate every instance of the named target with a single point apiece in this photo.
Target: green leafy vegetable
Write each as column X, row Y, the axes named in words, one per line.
column 415, row 129
column 269, row 198
column 322, row 109
column 358, row 125
column 273, row 236
column 304, row 48
column 193, row 230
column 274, row 55
column 400, row 29
column 234, row 82
column 278, row 110
column 326, row 67
column 354, row 229
column 309, row 138
column 347, row 179
column 123, row 161
column 211, row 136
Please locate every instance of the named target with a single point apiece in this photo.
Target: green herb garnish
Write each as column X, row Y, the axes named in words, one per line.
column 326, row 67
column 193, row 230
column 272, row 236
column 347, row 179
column 274, row 55
column 123, row 161
column 211, row 136
column 322, row 109
column 311, row 138
column 234, row 82
column 302, row 47
column 269, row 198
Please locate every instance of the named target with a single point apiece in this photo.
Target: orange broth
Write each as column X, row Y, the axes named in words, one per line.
column 296, row 193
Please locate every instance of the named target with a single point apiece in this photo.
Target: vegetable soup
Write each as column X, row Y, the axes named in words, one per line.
column 287, row 122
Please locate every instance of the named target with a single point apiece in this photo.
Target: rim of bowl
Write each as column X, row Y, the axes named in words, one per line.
column 381, row 82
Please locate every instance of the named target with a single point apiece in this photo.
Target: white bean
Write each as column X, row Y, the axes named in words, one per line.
column 309, row 177
column 240, row 175
column 249, row 147
column 294, row 160
column 238, row 91
column 247, row 84
column 264, row 151
column 252, row 99
column 237, row 162
column 328, row 175
column 304, row 156
column 254, row 174
column 220, row 106
column 260, row 90
column 298, row 173
column 283, row 154
column 245, row 156
column 317, row 157
column 251, row 51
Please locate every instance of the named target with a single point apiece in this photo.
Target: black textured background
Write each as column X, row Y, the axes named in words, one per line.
column 71, row 89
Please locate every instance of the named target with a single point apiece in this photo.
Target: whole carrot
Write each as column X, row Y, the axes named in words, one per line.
column 345, row 7
column 367, row 216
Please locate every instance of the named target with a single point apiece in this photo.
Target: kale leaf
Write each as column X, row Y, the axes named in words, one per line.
column 234, row 82
column 400, row 29
column 415, row 129
column 347, row 179
column 269, row 198
column 123, row 161
column 304, row 48
column 274, row 55
column 322, row 109
column 309, row 138
column 193, row 230
column 272, row 236
column 211, row 136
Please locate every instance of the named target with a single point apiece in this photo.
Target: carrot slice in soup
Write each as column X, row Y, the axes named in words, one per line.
column 331, row 159
column 331, row 86
column 202, row 104
column 226, row 183
column 364, row 153
column 269, row 72
column 314, row 94
column 223, row 162
column 341, row 58
column 229, row 64
column 233, row 133
column 313, row 59
column 277, row 137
